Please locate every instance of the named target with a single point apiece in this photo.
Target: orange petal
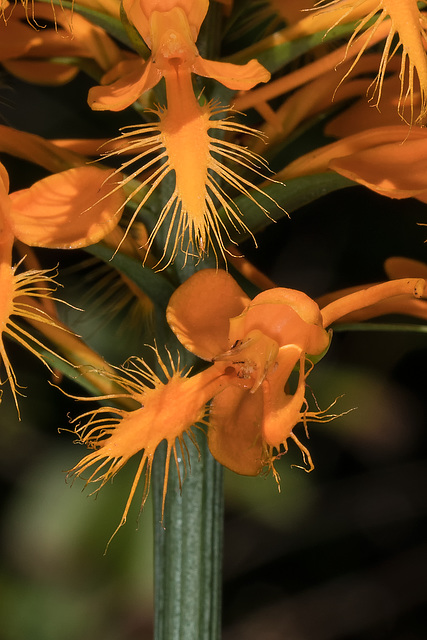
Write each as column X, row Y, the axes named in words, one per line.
column 370, row 296
column 233, row 76
column 33, row 148
column 319, row 160
column 234, row 434
column 4, row 182
column 199, row 311
column 282, row 411
column 396, row 170
column 67, row 210
column 126, row 82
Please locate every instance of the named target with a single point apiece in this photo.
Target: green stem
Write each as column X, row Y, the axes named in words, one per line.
column 188, row 547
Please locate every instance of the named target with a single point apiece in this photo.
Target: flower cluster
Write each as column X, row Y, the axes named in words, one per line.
column 164, row 202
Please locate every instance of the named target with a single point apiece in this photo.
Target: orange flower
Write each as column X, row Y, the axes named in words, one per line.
column 181, row 138
column 390, row 160
column 259, row 344
column 167, row 409
column 15, row 290
column 254, row 347
column 52, row 213
column 262, row 340
column 25, row 50
column 406, row 24
column 59, row 211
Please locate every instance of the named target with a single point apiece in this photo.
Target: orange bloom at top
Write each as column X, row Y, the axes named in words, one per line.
column 181, row 138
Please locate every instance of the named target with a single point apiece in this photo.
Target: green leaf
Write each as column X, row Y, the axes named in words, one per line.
column 274, row 54
column 157, row 288
column 280, row 200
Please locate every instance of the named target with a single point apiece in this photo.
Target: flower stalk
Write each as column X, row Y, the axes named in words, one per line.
column 188, row 548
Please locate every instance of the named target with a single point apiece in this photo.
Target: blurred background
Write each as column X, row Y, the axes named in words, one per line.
column 338, row 554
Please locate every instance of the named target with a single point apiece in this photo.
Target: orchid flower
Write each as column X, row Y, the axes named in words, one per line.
column 181, row 137
column 378, row 20
column 167, row 408
column 254, row 347
column 55, row 212
column 263, row 341
column 25, row 51
column 15, row 291
column 391, row 161
column 405, row 21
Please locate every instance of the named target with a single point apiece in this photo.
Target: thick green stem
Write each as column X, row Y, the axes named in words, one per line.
column 188, row 548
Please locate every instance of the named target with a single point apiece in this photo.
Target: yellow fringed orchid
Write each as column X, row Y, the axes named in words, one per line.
column 377, row 20
column 253, row 347
column 52, row 213
column 166, row 408
column 181, row 138
column 389, row 160
column 58, row 211
column 16, row 292
column 26, row 52
column 406, row 24
column 263, row 341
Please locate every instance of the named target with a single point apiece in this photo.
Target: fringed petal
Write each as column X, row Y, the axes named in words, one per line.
column 168, row 411
column 405, row 23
